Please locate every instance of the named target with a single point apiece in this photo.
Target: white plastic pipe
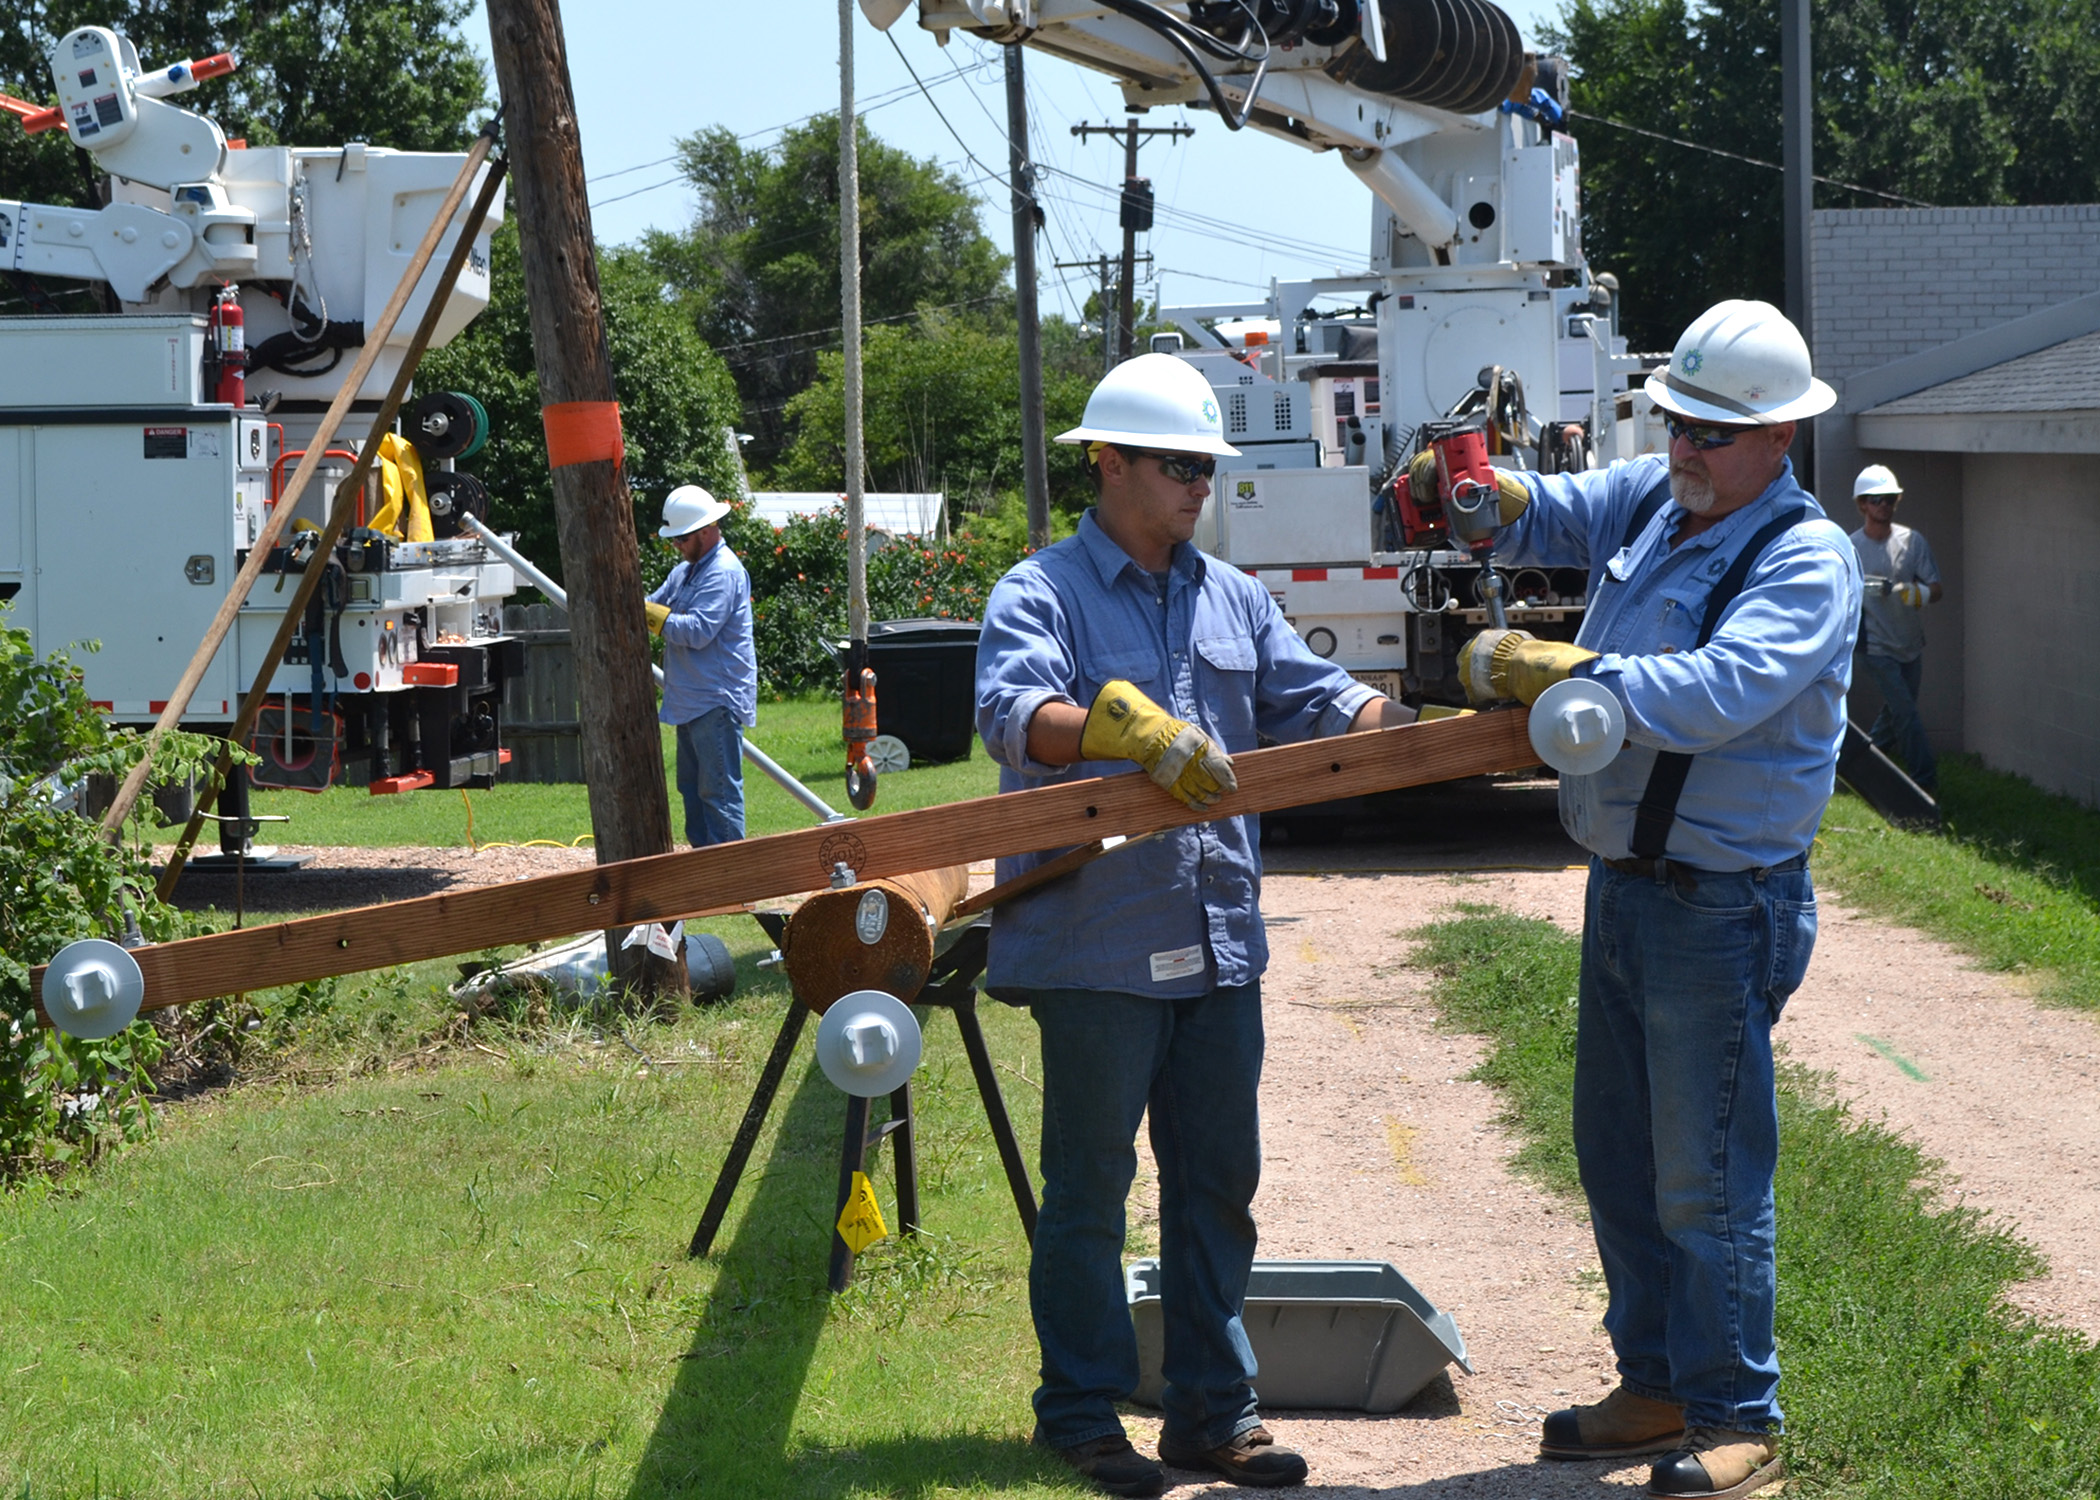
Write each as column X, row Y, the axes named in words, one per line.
column 1428, row 217
column 554, row 591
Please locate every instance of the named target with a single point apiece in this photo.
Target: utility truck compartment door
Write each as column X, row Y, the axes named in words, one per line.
column 133, row 528
column 1270, row 518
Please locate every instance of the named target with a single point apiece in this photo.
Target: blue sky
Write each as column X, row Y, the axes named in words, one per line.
column 1234, row 210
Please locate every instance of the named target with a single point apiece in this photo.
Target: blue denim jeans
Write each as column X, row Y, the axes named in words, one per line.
column 1899, row 727
column 1197, row 1064
column 1677, row 1124
column 711, row 777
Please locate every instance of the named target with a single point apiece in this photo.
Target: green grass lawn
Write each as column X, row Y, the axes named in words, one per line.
column 469, row 1279
column 2015, row 881
column 801, row 734
column 1907, row 1376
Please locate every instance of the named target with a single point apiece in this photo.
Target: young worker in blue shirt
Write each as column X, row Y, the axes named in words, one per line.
column 1697, row 926
column 1143, row 969
column 703, row 612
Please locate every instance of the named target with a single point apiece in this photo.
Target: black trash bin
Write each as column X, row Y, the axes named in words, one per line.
column 926, row 685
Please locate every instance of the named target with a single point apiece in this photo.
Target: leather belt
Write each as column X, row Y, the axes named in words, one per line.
column 1682, row 876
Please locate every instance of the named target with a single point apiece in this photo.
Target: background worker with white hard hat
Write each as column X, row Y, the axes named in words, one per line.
column 1901, row 580
column 1125, row 644
column 703, row 612
column 1723, row 606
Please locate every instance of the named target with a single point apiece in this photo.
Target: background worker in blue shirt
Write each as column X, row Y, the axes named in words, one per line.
column 1143, row 969
column 1700, row 916
column 703, row 612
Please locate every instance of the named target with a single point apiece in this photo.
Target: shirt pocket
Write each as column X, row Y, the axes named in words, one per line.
column 1677, row 616
column 1225, row 686
column 1100, row 666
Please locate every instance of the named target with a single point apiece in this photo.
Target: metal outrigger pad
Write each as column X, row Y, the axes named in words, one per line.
column 92, row 989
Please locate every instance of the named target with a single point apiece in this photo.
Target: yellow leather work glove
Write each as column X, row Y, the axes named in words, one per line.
column 1515, row 664
column 1124, row 724
column 657, row 613
column 1512, row 499
column 1431, row 712
column 1916, row 595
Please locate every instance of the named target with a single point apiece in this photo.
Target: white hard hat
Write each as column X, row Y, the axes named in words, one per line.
column 1876, row 479
column 687, row 509
column 1740, row 362
column 1154, row 401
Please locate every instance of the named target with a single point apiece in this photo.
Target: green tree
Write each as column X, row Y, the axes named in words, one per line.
column 1941, row 101
column 758, row 269
column 677, row 402
column 312, row 73
column 941, row 411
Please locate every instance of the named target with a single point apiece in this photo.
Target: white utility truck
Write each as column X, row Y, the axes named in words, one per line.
column 1475, row 311
column 142, row 448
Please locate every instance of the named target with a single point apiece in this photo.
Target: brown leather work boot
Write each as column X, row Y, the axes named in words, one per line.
column 1252, row 1458
column 1112, row 1464
column 1622, row 1425
column 1715, row 1464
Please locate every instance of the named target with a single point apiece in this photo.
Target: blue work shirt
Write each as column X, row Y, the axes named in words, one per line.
column 709, row 661
column 1761, row 705
column 1177, row 914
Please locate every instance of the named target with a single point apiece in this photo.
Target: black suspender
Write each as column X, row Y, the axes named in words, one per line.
column 1658, row 809
column 1644, row 512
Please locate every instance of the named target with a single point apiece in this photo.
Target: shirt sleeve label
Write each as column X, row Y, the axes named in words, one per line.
column 1177, row 963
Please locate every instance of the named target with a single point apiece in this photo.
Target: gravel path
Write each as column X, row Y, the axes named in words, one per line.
column 1378, row 1148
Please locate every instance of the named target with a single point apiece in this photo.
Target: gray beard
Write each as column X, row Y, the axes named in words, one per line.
column 1690, row 493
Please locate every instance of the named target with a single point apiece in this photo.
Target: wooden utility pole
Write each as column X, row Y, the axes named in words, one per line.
column 623, row 763
column 1136, row 216
column 1035, row 461
column 1797, row 110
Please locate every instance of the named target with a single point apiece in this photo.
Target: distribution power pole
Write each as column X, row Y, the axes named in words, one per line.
column 623, row 763
column 1035, row 462
column 1104, row 271
column 1136, row 214
column 1797, row 158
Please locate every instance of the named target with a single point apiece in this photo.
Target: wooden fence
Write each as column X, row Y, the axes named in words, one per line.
column 540, row 724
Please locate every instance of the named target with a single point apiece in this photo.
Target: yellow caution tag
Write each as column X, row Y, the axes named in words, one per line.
column 861, row 1224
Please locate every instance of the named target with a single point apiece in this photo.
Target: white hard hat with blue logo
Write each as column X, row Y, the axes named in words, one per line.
column 1154, row 401
column 1741, row 363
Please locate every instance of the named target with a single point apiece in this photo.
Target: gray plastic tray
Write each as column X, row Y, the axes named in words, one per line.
column 1348, row 1335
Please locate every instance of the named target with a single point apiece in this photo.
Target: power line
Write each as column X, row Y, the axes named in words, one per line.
column 810, row 333
column 891, row 38
column 878, row 101
column 1674, row 140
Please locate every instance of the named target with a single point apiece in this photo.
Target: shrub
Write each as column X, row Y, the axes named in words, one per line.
column 798, row 586
column 60, row 879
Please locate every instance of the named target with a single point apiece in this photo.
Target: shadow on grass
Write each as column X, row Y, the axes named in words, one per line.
column 727, row 1426
column 2018, row 823
column 313, row 888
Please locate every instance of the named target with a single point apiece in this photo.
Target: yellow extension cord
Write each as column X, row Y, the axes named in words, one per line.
column 473, row 848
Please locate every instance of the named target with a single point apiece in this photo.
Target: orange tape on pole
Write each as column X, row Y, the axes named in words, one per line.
column 583, row 432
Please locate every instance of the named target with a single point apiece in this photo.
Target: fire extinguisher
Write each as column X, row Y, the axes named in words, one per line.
column 226, row 338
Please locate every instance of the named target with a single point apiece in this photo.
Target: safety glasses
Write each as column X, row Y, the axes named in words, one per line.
column 1878, row 499
column 1182, row 468
column 1701, row 435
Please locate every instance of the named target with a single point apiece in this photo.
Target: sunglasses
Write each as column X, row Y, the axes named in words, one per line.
column 1182, row 468
column 1701, row 435
column 1878, row 499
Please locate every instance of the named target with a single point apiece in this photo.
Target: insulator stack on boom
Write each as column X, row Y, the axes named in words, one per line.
column 1461, row 55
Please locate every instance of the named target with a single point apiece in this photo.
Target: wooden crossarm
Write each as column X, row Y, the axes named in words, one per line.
column 664, row 885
